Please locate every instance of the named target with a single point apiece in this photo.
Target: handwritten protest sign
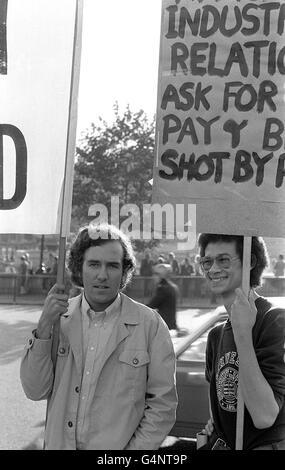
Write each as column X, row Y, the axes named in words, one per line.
column 36, row 53
column 220, row 114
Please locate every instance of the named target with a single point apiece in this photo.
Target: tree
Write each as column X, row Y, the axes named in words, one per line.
column 114, row 160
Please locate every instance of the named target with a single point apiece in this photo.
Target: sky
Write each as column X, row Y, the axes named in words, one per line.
column 119, row 58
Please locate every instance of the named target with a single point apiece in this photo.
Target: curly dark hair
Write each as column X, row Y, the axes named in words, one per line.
column 259, row 255
column 96, row 235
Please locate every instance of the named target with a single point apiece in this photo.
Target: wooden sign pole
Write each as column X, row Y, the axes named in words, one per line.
column 69, row 161
column 245, row 287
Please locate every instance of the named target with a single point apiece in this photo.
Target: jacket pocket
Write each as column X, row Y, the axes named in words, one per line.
column 133, row 371
column 134, row 358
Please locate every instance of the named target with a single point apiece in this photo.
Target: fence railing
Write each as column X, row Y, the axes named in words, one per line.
column 14, row 287
column 193, row 289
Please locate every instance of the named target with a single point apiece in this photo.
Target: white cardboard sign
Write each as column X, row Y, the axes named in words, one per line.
column 221, row 113
column 36, row 51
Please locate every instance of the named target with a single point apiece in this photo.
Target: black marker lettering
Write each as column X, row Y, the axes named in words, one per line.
column 242, row 162
column 269, row 133
column 21, row 167
column 280, row 171
column 260, row 163
column 167, row 160
column 234, row 129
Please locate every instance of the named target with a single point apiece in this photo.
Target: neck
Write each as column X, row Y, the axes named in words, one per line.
column 99, row 307
column 228, row 301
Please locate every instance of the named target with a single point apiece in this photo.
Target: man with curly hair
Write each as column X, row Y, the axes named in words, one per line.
column 113, row 385
column 248, row 349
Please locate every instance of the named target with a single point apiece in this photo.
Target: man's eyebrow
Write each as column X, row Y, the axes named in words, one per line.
column 95, row 260
column 220, row 254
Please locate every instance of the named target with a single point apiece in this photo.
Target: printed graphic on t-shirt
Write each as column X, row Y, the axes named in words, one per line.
column 227, row 381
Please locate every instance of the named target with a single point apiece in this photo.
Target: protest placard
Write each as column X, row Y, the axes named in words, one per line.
column 220, row 114
column 36, row 69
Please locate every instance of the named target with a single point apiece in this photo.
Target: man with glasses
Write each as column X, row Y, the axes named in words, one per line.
column 248, row 349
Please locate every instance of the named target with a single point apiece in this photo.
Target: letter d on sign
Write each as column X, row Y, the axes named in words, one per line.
column 21, row 167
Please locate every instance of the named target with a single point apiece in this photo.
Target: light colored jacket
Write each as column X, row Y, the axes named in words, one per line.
column 135, row 398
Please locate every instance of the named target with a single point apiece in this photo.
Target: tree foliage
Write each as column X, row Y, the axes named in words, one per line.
column 114, row 160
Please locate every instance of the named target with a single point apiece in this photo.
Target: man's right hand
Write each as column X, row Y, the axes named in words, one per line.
column 56, row 304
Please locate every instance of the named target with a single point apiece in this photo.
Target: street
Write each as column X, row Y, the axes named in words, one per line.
column 21, row 418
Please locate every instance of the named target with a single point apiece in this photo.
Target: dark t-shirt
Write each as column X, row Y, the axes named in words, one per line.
column 222, row 372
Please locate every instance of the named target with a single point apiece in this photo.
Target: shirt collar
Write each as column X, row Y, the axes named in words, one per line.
column 114, row 308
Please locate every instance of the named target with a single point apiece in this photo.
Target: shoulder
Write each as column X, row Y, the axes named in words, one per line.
column 138, row 306
column 172, row 287
column 269, row 310
column 276, row 316
column 161, row 287
column 215, row 333
column 146, row 314
column 270, row 315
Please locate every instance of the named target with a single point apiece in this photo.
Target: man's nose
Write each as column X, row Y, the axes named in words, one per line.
column 102, row 273
column 215, row 267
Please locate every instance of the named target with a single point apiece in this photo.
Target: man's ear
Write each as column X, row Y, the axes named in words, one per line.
column 253, row 261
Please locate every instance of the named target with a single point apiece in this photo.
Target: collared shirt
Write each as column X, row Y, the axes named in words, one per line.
column 96, row 329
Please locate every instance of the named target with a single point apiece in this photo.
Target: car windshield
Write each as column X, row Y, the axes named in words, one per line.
column 197, row 350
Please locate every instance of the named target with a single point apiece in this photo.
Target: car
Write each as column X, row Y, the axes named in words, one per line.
column 192, row 387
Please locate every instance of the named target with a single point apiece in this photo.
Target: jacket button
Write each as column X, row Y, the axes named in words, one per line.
column 70, row 424
column 77, row 389
column 135, row 361
column 62, row 350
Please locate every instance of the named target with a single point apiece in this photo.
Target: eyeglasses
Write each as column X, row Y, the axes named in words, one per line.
column 222, row 261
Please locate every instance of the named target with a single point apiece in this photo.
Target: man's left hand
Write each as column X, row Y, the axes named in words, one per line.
column 243, row 313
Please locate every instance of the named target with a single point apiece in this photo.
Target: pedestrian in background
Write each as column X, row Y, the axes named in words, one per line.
column 279, row 266
column 23, row 273
column 174, row 264
column 41, row 269
column 51, row 271
column 113, row 385
column 186, row 269
column 146, row 272
column 30, row 263
column 146, row 265
column 165, row 296
column 29, row 272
